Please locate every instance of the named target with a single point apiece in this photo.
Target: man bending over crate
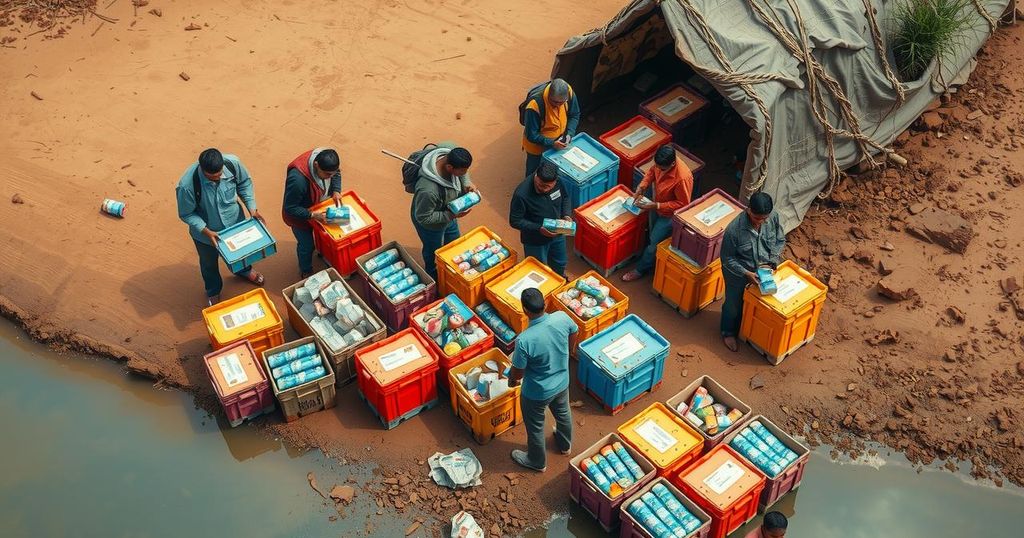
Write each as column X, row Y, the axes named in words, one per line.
column 753, row 239
column 541, row 364
column 312, row 178
column 208, row 196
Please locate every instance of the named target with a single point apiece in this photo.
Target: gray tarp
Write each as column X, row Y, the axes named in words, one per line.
column 797, row 167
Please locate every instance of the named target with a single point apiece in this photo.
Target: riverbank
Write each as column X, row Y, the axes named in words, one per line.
column 385, row 76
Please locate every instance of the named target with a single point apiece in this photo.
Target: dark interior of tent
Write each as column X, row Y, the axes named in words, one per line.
column 718, row 135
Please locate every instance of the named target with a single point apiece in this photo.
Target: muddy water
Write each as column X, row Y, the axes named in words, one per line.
column 89, row 451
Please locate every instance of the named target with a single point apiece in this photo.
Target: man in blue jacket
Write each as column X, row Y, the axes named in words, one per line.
column 208, row 196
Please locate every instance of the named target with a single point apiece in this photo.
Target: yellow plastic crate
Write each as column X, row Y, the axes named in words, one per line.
column 451, row 280
column 487, row 419
column 663, row 438
column 504, row 291
column 250, row 316
column 777, row 325
column 592, row 326
column 682, row 284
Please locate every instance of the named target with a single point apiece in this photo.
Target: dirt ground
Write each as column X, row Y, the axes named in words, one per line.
column 105, row 111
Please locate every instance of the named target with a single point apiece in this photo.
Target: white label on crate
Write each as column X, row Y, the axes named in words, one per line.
column 231, row 369
column 242, row 315
column 355, row 222
column 399, row 357
column 655, row 435
column 579, row 158
column 533, row 279
column 243, row 238
column 714, row 213
column 622, row 348
column 637, row 137
column 789, row 287
column 610, row 211
column 724, row 477
column 675, row 106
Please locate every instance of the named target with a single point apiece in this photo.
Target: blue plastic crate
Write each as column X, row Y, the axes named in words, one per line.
column 245, row 243
column 585, row 185
column 622, row 362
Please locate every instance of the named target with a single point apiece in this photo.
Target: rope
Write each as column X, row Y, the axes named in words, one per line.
column 876, row 36
column 992, row 23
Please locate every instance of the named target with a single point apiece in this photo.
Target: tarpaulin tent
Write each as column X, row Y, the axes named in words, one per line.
column 756, row 54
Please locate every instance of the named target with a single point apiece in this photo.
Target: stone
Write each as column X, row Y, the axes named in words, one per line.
column 886, row 266
column 975, row 115
column 343, row 494
column 17, row 199
column 956, row 315
column 897, row 286
column 887, row 246
column 864, row 257
column 930, row 121
column 756, row 382
column 916, row 208
column 942, row 228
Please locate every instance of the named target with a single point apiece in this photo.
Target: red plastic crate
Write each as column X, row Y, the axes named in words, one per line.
column 394, row 394
column 609, row 245
column 741, row 496
column 631, row 528
column 446, row 363
column 701, row 242
column 395, row 314
column 340, row 249
column 247, row 399
column 630, row 156
column 790, row 477
column 590, row 497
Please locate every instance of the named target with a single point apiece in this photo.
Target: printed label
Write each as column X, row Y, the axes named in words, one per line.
column 579, row 158
column 789, row 287
column 399, row 357
column 674, row 106
column 655, row 435
column 610, row 211
column 231, row 368
column 622, row 348
column 242, row 315
column 555, row 195
column 243, row 238
column 533, row 279
column 637, row 137
column 714, row 213
column 355, row 222
column 724, row 477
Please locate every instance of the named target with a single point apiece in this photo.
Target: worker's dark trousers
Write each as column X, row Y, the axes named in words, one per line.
column 304, row 247
column 534, row 417
column 732, row 307
column 532, row 164
column 209, row 260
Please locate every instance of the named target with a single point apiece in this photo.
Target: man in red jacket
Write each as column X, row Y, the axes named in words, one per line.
column 312, row 178
column 672, row 183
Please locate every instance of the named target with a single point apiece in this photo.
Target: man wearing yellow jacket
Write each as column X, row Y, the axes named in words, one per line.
column 550, row 118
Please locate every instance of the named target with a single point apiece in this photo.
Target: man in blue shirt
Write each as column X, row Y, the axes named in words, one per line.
column 221, row 181
column 541, row 364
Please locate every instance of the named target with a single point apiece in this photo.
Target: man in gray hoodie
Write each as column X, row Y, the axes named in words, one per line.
column 444, row 176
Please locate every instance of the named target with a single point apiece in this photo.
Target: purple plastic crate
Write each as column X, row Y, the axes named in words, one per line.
column 702, row 243
column 590, row 497
column 631, row 528
column 395, row 315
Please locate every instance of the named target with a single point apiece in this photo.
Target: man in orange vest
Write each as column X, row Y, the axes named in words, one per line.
column 550, row 121
column 312, row 178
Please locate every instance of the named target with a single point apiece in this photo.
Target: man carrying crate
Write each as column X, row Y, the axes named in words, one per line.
column 541, row 196
column 541, row 364
column 753, row 239
column 549, row 116
column 672, row 184
column 208, row 196
column 311, row 178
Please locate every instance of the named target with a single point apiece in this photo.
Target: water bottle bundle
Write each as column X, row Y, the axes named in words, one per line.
column 560, row 226
column 485, row 384
column 464, row 202
column 448, row 326
column 296, row 366
column 612, row 469
column 331, row 313
column 393, row 276
column 662, row 515
column 704, row 414
column 494, row 322
column 480, row 258
column 588, row 298
column 763, row 449
column 338, row 215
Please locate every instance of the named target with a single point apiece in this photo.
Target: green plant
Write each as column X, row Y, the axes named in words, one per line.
column 926, row 30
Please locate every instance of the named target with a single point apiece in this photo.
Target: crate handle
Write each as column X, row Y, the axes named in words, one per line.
column 309, row 391
column 248, row 396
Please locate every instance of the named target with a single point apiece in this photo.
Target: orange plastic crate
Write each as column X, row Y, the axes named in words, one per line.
column 250, row 316
column 451, row 280
column 634, row 142
column 341, row 245
column 398, row 376
column 779, row 324
column 725, row 486
column 592, row 326
column 500, row 290
column 446, row 362
column 608, row 236
column 487, row 419
column 682, row 284
column 663, row 438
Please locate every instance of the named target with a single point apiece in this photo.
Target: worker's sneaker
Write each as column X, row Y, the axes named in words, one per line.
column 212, row 300
column 730, row 343
column 521, row 458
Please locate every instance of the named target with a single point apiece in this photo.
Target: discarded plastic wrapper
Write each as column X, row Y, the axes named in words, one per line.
column 460, row 469
column 464, row 526
column 560, row 226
